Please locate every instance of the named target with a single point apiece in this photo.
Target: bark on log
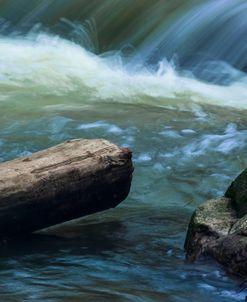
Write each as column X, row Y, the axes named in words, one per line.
column 76, row 178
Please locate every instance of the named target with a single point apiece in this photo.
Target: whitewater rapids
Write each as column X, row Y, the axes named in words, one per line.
column 45, row 64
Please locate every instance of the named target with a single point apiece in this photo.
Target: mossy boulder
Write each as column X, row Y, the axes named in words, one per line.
column 231, row 251
column 218, row 228
column 240, row 227
column 211, row 220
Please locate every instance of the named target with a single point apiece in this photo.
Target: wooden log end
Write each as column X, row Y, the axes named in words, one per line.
column 70, row 180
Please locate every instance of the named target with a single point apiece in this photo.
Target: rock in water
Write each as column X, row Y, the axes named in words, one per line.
column 210, row 221
column 219, row 228
column 73, row 179
column 238, row 193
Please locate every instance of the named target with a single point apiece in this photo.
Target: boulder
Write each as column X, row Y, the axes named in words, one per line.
column 211, row 220
column 238, row 193
column 218, row 228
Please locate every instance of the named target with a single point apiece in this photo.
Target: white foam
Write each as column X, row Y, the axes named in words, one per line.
column 48, row 65
column 208, row 287
column 110, row 128
column 144, row 157
column 170, row 133
column 230, row 140
column 115, row 129
column 234, row 295
column 225, row 143
column 92, row 125
column 188, row 131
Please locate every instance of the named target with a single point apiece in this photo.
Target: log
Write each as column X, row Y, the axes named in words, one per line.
column 70, row 180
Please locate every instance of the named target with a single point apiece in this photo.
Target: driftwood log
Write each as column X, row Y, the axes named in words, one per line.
column 73, row 179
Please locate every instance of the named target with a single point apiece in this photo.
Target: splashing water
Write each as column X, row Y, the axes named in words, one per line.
column 51, row 65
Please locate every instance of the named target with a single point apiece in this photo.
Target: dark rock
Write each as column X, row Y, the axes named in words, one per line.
column 238, row 193
column 212, row 220
column 218, row 228
column 231, row 251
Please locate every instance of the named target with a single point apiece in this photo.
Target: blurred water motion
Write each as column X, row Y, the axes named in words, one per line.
column 164, row 78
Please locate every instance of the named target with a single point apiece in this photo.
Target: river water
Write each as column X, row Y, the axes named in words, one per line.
column 187, row 130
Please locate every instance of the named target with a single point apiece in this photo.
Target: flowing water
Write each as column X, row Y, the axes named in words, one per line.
column 164, row 78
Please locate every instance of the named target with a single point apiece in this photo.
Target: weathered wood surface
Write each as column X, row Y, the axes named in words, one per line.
column 73, row 179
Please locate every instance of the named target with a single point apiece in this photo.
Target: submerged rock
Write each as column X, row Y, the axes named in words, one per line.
column 218, row 228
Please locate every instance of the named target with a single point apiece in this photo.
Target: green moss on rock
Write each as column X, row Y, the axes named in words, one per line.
column 212, row 219
column 219, row 228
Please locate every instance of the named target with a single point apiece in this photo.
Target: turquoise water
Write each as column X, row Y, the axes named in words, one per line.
column 134, row 252
column 187, row 131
